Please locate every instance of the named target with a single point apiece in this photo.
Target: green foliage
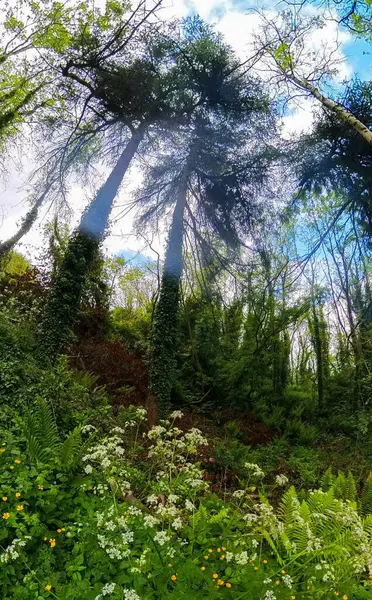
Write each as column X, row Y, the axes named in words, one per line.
column 57, row 537
column 62, row 309
column 163, row 343
column 44, row 443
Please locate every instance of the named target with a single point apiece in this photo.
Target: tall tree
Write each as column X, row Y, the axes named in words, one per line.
column 213, row 180
column 154, row 93
column 285, row 42
column 334, row 157
column 72, row 43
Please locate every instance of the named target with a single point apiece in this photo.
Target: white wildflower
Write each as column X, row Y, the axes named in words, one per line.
column 150, row 521
column 130, row 595
column 177, row 523
column 281, row 479
column 238, row 493
column 255, row 470
column 153, row 499
column 172, row 498
column 242, row 558
column 88, row 428
column 176, row 414
column 161, row 538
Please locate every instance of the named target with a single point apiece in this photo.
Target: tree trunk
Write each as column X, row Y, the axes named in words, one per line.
column 318, row 348
column 94, row 221
column 164, row 337
column 337, row 109
column 62, row 308
column 26, row 225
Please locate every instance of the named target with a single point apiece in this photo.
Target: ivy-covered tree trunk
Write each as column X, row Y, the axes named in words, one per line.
column 319, row 337
column 164, row 336
column 62, row 308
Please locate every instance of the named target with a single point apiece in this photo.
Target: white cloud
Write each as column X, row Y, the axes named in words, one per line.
column 238, row 28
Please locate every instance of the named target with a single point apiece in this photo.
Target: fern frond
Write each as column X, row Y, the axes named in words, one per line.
column 366, row 499
column 41, row 432
column 327, row 479
column 71, row 449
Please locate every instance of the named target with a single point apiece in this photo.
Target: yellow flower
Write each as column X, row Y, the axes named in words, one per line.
column 210, row 550
column 215, row 576
column 224, row 549
column 60, row 531
column 173, row 578
column 52, row 542
column 277, row 582
column 293, row 597
column 41, row 487
column 169, row 565
column 283, row 572
column 4, row 498
column 206, row 557
column 63, row 529
column 218, row 549
column 256, row 568
column 264, row 562
column 6, row 515
column 222, row 556
column 3, row 444
column 48, row 588
column 18, row 495
column 17, row 462
column 2, row 450
column 203, row 568
column 228, row 585
column 220, row 582
column 45, row 539
column 11, row 467
column 345, row 597
column 19, row 507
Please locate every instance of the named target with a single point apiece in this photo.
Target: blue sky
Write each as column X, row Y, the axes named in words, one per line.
column 359, row 55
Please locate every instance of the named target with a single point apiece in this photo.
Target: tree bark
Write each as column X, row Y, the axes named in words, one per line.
column 26, row 225
column 94, row 221
column 337, row 109
column 62, row 308
column 164, row 337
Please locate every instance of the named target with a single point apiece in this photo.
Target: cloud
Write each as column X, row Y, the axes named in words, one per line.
column 232, row 19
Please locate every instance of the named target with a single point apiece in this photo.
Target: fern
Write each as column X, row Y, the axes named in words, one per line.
column 366, row 498
column 41, row 432
column 71, row 450
column 327, row 479
column 345, row 487
column 44, row 443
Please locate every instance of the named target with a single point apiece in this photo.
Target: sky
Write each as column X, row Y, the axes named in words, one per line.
column 235, row 21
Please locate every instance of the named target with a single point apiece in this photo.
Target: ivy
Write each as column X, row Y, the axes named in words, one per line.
column 164, row 343
column 60, row 315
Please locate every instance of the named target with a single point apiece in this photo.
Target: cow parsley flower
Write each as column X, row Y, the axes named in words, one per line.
column 130, row 595
column 161, row 538
column 281, row 479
